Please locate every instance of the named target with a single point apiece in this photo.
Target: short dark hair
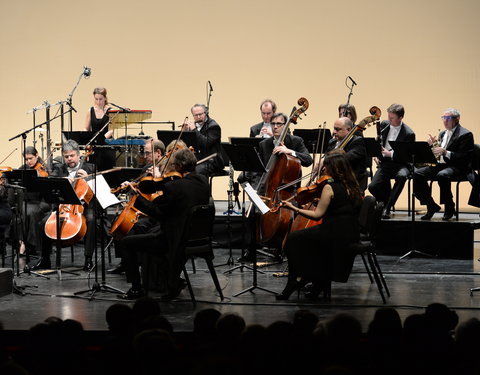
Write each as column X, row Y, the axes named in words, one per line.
column 348, row 109
column 280, row 114
column 274, row 106
column 397, row 109
column 185, row 161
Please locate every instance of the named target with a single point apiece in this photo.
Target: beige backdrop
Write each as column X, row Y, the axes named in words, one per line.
column 159, row 55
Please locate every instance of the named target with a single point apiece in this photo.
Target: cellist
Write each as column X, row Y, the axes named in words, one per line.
column 73, row 167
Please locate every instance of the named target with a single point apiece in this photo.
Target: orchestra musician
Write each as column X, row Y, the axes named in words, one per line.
column 388, row 167
column 36, row 208
column 97, row 117
column 209, row 136
column 454, row 150
column 171, row 209
column 317, row 254
column 355, row 150
column 5, row 210
column 73, row 167
column 264, row 128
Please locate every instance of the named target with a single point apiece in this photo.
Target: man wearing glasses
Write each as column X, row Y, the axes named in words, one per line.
column 453, row 149
column 209, row 137
column 388, row 167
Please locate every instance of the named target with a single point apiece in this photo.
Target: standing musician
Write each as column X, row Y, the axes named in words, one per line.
column 454, row 150
column 144, row 223
column 36, row 208
column 387, row 166
column 264, row 128
column 97, row 117
column 355, row 150
column 72, row 168
column 172, row 210
column 317, row 254
column 209, row 136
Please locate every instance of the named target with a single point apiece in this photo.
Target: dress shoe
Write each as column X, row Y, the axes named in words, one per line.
column 449, row 211
column 386, row 214
column 292, row 286
column 118, row 270
column 132, row 294
column 88, row 264
column 42, row 264
column 431, row 209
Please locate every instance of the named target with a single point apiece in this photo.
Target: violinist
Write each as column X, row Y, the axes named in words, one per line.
column 388, row 167
column 72, row 168
column 97, row 117
column 317, row 254
column 355, row 150
column 171, row 209
column 209, row 137
column 36, row 208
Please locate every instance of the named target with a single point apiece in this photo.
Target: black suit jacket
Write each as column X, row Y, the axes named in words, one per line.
column 209, row 142
column 172, row 209
column 406, row 134
column 356, row 154
column 460, row 146
column 292, row 142
column 60, row 170
column 255, row 129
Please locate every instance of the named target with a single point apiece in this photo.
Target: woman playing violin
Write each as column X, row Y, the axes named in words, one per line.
column 316, row 254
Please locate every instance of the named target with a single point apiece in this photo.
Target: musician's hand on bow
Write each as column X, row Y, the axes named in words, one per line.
column 288, row 205
column 153, row 171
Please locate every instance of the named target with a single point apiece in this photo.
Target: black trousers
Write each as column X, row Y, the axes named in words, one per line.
column 381, row 188
column 444, row 174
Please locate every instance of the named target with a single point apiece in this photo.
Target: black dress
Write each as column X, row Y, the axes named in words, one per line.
column 103, row 157
column 319, row 253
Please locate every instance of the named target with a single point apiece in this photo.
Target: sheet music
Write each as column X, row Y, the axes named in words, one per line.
column 257, row 201
column 103, row 194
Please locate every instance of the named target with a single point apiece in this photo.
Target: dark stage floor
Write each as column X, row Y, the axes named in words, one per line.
column 414, row 283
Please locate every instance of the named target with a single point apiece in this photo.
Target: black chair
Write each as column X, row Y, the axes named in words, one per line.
column 199, row 242
column 370, row 219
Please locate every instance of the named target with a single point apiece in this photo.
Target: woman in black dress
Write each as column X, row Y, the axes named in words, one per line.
column 97, row 117
column 318, row 254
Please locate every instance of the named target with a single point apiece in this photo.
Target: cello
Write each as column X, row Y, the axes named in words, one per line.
column 281, row 169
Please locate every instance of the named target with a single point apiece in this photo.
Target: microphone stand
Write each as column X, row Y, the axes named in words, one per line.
column 70, row 96
column 126, row 111
column 349, row 94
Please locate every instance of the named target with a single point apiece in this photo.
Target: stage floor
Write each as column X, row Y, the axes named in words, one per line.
column 414, row 283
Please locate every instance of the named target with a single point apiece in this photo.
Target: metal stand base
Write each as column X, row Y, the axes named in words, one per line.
column 99, row 287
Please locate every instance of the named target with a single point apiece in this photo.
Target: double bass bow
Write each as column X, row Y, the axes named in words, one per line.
column 281, row 169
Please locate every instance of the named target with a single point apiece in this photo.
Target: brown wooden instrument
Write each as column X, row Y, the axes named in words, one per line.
column 73, row 224
column 281, row 169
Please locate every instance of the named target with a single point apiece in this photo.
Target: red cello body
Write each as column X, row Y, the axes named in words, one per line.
column 73, row 224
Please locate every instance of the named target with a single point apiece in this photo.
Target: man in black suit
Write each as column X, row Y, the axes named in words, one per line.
column 73, row 167
column 388, row 167
column 264, row 129
column 453, row 150
column 355, row 150
column 209, row 137
column 171, row 209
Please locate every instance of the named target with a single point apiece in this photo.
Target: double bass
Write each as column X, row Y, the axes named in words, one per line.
column 281, row 169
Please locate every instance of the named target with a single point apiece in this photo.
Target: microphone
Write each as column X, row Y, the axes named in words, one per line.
column 122, row 108
column 351, row 79
column 209, row 84
column 87, row 72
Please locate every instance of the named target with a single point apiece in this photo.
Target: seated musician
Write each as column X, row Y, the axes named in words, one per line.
column 317, row 254
column 454, row 150
column 36, row 208
column 144, row 223
column 264, row 128
column 5, row 210
column 388, row 167
column 355, row 150
column 209, row 137
column 171, row 209
column 73, row 167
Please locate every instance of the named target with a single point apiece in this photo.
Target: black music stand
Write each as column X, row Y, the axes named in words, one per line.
column 120, row 175
column 373, row 147
column 189, row 137
column 243, row 157
column 313, row 139
column 81, row 137
column 56, row 191
column 252, row 141
column 413, row 153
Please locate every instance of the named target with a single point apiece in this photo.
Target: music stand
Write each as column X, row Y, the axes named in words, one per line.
column 81, row 137
column 120, row 175
column 313, row 136
column 373, row 147
column 56, row 191
column 252, row 141
column 189, row 137
column 412, row 153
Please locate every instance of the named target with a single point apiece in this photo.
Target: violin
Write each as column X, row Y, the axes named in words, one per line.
column 41, row 169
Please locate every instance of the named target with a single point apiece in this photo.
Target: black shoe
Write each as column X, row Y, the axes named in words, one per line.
column 42, row 264
column 431, row 209
column 386, row 214
column 118, row 270
column 88, row 264
column 132, row 294
column 292, row 286
column 449, row 211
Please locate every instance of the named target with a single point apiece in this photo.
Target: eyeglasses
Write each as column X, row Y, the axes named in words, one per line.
column 277, row 123
column 147, row 153
column 198, row 114
column 337, row 129
column 446, row 118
